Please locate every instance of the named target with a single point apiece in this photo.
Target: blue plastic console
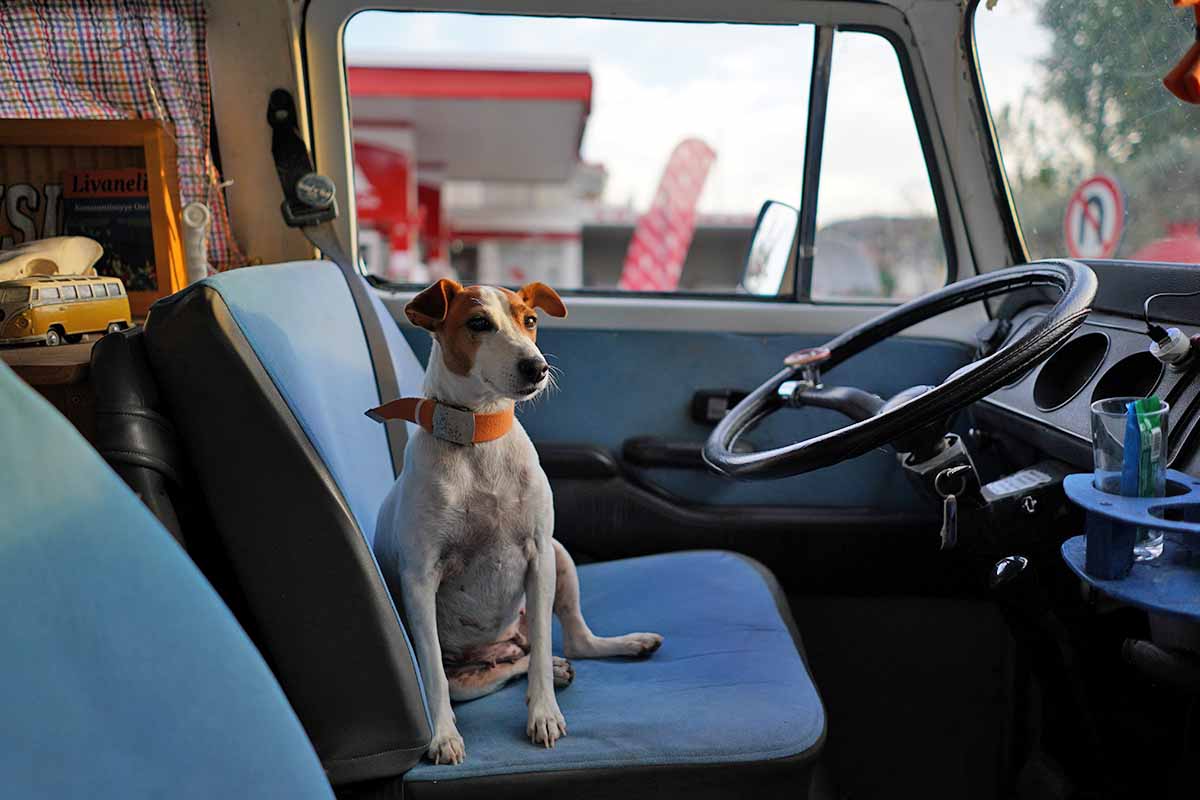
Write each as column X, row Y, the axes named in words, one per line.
column 1104, row 557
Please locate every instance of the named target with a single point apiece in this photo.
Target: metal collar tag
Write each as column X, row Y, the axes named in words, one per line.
column 453, row 424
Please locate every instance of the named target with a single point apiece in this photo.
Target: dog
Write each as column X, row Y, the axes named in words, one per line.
column 465, row 536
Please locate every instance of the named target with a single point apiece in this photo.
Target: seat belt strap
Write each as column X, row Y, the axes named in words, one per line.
column 309, row 203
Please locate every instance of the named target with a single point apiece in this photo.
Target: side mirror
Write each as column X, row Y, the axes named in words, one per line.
column 769, row 257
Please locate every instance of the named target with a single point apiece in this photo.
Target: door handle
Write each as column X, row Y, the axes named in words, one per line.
column 710, row 405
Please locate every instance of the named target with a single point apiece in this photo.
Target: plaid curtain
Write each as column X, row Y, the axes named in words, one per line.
column 119, row 59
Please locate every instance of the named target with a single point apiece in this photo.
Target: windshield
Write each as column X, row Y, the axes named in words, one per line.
column 1101, row 159
column 15, row 294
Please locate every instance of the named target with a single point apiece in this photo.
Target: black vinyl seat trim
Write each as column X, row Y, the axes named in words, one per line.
column 336, row 645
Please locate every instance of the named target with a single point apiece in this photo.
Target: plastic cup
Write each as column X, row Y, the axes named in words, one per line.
column 1109, row 418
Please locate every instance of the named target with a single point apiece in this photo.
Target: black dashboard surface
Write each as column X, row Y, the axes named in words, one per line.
column 1107, row 357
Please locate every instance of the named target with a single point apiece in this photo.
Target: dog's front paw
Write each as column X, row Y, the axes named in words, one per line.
column 546, row 723
column 447, row 747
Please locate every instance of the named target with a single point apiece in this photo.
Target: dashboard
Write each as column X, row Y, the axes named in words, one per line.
column 1049, row 407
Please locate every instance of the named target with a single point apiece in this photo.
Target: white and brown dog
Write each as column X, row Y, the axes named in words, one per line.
column 466, row 534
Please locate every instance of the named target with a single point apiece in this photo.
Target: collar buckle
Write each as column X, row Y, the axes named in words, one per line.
column 453, row 424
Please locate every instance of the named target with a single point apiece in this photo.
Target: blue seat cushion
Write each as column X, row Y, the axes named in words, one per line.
column 727, row 686
column 124, row 675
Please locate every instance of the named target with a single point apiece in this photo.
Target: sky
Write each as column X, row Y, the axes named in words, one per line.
column 1009, row 41
column 743, row 89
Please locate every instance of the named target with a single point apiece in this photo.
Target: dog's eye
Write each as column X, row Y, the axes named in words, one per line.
column 530, row 321
column 480, row 324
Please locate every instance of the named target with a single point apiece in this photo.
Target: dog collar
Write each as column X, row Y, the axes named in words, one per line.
column 445, row 421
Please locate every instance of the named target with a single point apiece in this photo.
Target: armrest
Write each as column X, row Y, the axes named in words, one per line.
column 652, row 451
column 564, row 460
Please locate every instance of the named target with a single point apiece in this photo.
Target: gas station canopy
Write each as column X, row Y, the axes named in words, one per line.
column 486, row 122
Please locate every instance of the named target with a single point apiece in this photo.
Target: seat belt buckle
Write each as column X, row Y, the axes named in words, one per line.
column 304, row 216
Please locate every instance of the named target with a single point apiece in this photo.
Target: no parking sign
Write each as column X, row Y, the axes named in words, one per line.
column 1095, row 218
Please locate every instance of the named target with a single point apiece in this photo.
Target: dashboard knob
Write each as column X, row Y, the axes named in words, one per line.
column 1007, row 570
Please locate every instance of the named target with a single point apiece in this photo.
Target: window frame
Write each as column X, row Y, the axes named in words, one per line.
column 332, row 143
column 932, row 169
column 991, row 144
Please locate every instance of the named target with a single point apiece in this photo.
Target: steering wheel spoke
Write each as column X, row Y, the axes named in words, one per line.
column 856, row 404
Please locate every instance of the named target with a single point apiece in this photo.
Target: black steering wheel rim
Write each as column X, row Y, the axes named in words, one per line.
column 1077, row 284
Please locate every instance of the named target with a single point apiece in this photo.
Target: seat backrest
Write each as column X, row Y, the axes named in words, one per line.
column 266, row 375
column 124, row 675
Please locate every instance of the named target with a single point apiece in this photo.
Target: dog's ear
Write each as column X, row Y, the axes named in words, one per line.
column 539, row 295
column 428, row 309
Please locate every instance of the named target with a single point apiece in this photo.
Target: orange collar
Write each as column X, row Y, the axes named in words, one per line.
column 446, row 422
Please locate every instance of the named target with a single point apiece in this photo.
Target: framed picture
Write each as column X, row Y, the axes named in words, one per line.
column 114, row 181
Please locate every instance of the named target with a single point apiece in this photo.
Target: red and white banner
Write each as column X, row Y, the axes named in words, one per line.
column 663, row 235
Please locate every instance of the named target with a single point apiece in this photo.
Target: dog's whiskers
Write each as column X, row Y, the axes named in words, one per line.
column 553, row 374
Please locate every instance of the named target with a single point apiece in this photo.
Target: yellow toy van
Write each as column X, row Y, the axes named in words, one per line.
column 53, row 309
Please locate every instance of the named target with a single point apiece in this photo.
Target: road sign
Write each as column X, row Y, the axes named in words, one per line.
column 1095, row 218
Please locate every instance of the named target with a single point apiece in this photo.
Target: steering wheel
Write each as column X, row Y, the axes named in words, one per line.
column 875, row 422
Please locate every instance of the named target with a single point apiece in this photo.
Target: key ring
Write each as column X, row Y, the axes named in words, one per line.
column 947, row 474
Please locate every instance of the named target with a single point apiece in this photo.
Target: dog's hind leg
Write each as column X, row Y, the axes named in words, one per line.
column 471, row 682
column 578, row 639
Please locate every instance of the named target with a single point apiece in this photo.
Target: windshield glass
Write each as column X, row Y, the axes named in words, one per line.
column 505, row 149
column 14, row 294
column 1101, row 159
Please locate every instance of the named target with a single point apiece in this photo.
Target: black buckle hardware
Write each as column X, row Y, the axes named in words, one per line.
column 308, row 197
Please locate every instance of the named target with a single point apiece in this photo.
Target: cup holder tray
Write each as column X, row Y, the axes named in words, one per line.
column 1178, row 511
column 1169, row 584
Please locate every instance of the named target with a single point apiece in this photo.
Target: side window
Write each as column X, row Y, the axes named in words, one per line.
column 114, row 290
column 69, row 293
column 85, row 292
column 586, row 153
column 49, row 293
column 877, row 235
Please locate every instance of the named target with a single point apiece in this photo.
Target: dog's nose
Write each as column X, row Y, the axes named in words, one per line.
column 532, row 369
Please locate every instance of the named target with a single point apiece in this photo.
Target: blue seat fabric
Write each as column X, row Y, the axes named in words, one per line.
column 124, row 675
column 728, row 685
column 301, row 321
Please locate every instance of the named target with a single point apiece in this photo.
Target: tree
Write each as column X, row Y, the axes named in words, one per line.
column 1097, row 104
column 1105, row 69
